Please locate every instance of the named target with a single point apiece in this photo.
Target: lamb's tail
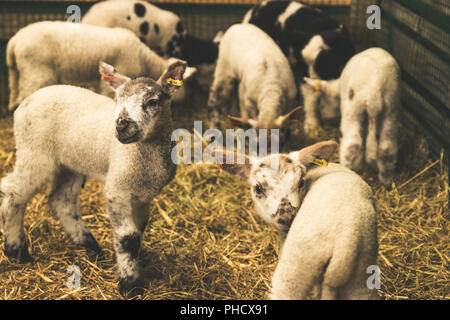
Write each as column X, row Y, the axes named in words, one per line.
column 13, row 74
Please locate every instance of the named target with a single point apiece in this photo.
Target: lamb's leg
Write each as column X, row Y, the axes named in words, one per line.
column 127, row 238
column 13, row 88
column 351, row 153
column 220, row 93
column 141, row 213
column 63, row 202
column 310, row 101
column 17, row 188
column 387, row 149
column 372, row 141
column 13, row 210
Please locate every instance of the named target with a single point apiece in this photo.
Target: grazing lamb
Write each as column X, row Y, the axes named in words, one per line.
column 317, row 46
column 161, row 30
column 266, row 86
column 326, row 220
column 65, row 134
column 368, row 89
column 47, row 53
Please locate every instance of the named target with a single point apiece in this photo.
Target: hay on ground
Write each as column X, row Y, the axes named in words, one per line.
column 204, row 240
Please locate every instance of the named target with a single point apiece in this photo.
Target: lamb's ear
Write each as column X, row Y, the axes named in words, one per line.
column 316, row 154
column 317, row 84
column 172, row 78
column 232, row 164
column 240, row 122
column 281, row 120
column 218, row 37
column 189, row 72
column 111, row 76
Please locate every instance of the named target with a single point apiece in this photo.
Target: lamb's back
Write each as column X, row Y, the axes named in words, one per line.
column 338, row 201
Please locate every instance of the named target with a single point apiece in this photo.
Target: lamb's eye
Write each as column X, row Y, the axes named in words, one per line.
column 301, row 184
column 259, row 189
column 152, row 102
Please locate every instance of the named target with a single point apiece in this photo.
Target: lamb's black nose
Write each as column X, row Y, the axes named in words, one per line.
column 122, row 124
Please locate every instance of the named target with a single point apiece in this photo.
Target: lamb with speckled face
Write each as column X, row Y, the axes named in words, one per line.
column 65, row 134
column 326, row 219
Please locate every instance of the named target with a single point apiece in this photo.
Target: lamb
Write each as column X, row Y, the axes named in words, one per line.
column 160, row 29
column 326, row 219
column 316, row 45
column 65, row 134
column 369, row 88
column 47, row 53
column 267, row 88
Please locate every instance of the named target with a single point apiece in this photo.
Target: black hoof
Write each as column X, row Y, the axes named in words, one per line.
column 131, row 287
column 91, row 244
column 19, row 253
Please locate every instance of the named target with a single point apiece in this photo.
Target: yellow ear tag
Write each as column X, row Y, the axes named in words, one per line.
column 177, row 83
column 318, row 85
column 320, row 162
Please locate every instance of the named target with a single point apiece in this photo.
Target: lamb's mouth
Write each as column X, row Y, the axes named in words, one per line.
column 129, row 139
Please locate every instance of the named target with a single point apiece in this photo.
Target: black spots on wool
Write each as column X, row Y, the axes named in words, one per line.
column 128, row 18
column 170, row 46
column 143, row 28
column 351, row 94
column 156, row 28
column 139, row 9
column 130, row 244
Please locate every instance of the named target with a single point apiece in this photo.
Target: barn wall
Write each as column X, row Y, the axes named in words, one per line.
column 417, row 34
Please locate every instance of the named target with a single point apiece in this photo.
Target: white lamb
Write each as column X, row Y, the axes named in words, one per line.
column 368, row 89
column 266, row 85
column 47, row 53
column 160, row 29
column 326, row 220
column 65, row 134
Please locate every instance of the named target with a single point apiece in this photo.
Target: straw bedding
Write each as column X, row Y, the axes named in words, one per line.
column 205, row 241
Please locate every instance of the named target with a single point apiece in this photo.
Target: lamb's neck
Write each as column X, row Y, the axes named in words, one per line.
column 160, row 139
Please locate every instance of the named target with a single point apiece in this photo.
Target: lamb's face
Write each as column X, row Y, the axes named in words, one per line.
column 277, row 181
column 277, row 185
column 329, row 97
column 139, row 103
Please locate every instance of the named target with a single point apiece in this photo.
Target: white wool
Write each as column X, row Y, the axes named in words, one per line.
column 46, row 53
column 266, row 85
column 367, row 94
column 332, row 240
